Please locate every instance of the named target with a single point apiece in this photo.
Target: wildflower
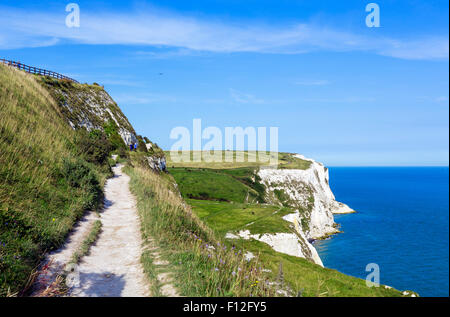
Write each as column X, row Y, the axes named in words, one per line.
column 53, row 219
column 233, row 273
column 216, row 269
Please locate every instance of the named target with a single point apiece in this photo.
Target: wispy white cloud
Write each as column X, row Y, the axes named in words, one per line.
column 144, row 99
column 442, row 99
column 244, row 98
column 350, row 99
column 166, row 52
column 433, row 47
column 312, row 82
column 438, row 99
column 121, row 82
column 21, row 28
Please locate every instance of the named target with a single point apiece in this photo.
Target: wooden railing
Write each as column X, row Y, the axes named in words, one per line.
column 35, row 70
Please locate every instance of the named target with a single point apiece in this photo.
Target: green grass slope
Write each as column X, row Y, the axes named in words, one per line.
column 208, row 184
column 49, row 175
column 200, row 263
column 217, row 196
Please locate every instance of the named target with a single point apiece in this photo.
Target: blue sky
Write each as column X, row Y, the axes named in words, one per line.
column 340, row 92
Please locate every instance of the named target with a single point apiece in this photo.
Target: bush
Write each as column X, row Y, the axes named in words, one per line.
column 94, row 146
column 141, row 144
column 123, row 153
column 111, row 131
column 117, row 142
column 79, row 174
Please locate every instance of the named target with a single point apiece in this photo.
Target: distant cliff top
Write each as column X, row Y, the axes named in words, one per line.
column 285, row 161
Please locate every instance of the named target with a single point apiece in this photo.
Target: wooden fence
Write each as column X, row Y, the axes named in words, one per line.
column 35, row 70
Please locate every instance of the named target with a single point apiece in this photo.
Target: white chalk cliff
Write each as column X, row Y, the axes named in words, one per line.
column 309, row 193
column 97, row 109
column 92, row 108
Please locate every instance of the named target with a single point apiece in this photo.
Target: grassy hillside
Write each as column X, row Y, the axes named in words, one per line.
column 299, row 274
column 217, row 196
column 201, row 263
column 226, row 217
column 209, row 184
column 49, row 175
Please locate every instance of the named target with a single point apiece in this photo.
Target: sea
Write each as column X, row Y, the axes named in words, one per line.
column 401, row 225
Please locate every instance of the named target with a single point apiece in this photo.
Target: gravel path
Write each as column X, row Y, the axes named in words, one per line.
column 113, row 266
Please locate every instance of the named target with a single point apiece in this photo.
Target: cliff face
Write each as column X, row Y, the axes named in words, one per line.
column 295, row 244
column 309, row 193
column 92, row 108
column 89, row 106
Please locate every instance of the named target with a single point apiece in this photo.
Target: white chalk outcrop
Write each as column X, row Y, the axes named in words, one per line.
column 92, row 107
column 309, row 193
column 157, row 163
column 342, row 208
column 283, row 242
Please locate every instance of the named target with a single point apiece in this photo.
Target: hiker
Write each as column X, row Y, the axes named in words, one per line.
column 135, row 147
column 131, row 146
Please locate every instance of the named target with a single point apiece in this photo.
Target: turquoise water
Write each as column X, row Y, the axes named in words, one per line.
column 402, row 225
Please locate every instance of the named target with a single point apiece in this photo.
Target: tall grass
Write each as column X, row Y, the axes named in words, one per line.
column 203, row 265
column 39, row 203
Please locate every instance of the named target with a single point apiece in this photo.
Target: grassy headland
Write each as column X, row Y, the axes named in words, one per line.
column 230, row 199
column 250, row 159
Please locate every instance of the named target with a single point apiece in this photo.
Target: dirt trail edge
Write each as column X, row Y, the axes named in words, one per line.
column 113, row 266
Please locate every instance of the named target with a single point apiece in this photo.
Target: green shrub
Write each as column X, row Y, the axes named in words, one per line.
column 79, row 174
column 111, row 131
column 123, row 153
column 141, row 144
column 94, row 146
